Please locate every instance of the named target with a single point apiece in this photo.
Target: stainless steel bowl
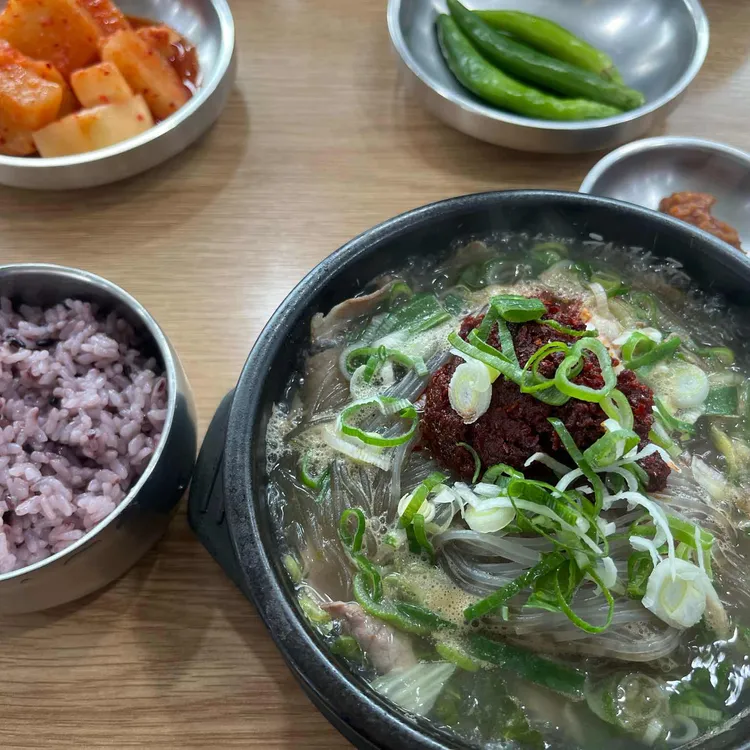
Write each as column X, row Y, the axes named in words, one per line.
column 209, row 26
column 647, row 171
column 658, row 45
column 117, row 542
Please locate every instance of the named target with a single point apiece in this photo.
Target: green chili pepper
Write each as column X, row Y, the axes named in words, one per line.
column 540, row 69
column 554, row 40
column 492, row 85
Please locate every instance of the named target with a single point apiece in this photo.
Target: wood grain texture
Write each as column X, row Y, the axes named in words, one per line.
column 318, row 143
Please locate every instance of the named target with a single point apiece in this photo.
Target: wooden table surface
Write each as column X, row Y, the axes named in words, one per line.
column 318, row 143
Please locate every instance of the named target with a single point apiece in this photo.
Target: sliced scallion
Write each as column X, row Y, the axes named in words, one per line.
column 477, row 461
column 616, row 406
column 609, row 448
column 583, row 392
column 612, row 284
column 723, row 401
column 529, row 666
column 637, row 345
column 646, row 305
column 661, row 351
column 387, row 406
column 531, row 379
column 489, row 604
column 579, row 622
column 722, row 354
column 575, row 453
column 365, row 354
column 555, row 326
column 419, row 496
column 517, row 309
column 307, row 477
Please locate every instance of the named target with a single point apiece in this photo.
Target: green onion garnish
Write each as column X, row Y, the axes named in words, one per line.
column 477, row 461
column 352, row 542
column 419, row 496
column 646, row 305
column 496, row 599
column 723, row 401
column 610, row 447
column 670, row 422
column 387, row 406
column 517, row 309
column 501, row 474
column 531, row 380
column 583, row 392
column 568, row 331
column 722, row 354
column 365, row 354
column 637, row 345
column 575, row 453
column 573, row 617
column 306, row 476
column 616, row 406
column 661, row 351
column 529, row 666
column 613, row 285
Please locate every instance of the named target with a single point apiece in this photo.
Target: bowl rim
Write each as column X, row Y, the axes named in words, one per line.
column 170, row 370
column 470, row 104
column 659, row 143
column 205, row 91
column 336, row 691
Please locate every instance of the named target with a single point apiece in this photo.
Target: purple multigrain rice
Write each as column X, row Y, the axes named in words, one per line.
column 81, row 413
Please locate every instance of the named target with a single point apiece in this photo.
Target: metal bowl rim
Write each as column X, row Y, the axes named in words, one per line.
column 170, row 370
column 666, row 143
column 466, row 104
column 204, row 93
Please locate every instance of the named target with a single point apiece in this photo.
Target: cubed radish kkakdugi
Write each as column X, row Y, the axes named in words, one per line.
column 58, row 31
column 100, row 84
column 95, row 128
column 76, row 76
column 107, row 15
column 31, row 96
column 146, row 72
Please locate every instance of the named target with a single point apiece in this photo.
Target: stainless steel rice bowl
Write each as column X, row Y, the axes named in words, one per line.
column 117, row 541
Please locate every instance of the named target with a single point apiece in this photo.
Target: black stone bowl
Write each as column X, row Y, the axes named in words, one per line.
column 227, row 507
